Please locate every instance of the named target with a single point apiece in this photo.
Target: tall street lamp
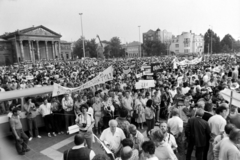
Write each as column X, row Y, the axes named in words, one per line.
column 82, row 35
column 139, row 41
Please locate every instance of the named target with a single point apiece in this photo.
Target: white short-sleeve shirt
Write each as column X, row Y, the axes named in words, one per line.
column 175, row 123
column 113, row 139
column 217, row 124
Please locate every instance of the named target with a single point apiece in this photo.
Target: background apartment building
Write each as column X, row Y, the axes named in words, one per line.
column 187, row 42
column 164, row 36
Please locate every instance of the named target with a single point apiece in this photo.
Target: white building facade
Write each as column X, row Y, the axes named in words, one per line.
column 187, row 42
column 133, row 49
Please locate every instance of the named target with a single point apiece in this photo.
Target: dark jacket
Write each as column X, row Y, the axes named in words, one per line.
column 198, row 131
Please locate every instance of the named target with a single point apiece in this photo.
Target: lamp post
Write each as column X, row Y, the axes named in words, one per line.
column 82, row 35
column 211, row 38
column 139, row 41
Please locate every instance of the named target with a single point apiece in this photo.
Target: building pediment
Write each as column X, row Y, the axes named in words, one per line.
column 32, row 31
column 40, row 31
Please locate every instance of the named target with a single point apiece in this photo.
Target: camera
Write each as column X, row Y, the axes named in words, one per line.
column 84, row 125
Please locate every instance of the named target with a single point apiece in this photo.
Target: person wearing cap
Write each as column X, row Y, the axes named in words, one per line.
column 85, row 122
column 78, row 151
column 21, row 139
column 198, row 134
column 31, row 115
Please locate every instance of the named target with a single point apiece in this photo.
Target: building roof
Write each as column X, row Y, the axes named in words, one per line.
column 29, row 31
column 134, row 43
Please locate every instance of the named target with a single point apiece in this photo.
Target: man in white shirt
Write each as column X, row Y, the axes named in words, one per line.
column 175, row 126
column 67, row 104
column 217, row 124
column 113, row 136
column 45, row 110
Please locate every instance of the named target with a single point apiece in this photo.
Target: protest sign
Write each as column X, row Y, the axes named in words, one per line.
column 144, row 84
column 106, row 75
column 155, row 67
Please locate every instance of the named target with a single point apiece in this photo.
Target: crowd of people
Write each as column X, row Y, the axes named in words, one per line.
column 179, row 116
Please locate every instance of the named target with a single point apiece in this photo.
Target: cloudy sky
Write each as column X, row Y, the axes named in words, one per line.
column 121, row 18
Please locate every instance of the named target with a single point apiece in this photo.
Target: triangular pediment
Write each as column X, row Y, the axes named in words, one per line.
column 40, row 31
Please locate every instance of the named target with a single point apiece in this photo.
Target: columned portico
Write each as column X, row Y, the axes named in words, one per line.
column 22, row 51
column 53, row 48
column 38, row 52
column 46, row 50
column 30, row 50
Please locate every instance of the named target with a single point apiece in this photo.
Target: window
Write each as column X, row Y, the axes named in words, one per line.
column 186, row 45
column 176, row 45
column 186, row 50
column 176, row 51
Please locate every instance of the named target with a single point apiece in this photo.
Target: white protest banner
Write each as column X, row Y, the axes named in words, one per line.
column 60, row 90
column 106, row 75
column 106, row 149
column 145, row 84
column 147, row 73
column 139, row 75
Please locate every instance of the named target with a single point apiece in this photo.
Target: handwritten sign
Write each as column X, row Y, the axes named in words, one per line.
column 145, row 84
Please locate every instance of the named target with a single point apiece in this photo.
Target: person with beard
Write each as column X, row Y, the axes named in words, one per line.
column 168, row 137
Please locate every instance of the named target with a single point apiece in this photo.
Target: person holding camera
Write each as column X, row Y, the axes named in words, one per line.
column 31, row 113
column 85, row 122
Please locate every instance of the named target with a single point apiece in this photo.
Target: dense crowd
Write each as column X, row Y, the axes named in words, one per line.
column 189, row 114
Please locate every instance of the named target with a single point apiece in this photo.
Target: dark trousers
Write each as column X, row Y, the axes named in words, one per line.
column 150, row 125
column 199, row 153
column 69, row 119
column 57, row 121
column 32, row 125
column 49, row 125
column 21, row 144
column 181, row 147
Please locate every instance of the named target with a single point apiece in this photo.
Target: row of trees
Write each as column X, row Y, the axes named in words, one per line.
column 227, row 45
column 114, row 49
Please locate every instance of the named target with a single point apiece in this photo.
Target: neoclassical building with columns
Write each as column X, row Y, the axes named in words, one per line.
column 32, row 45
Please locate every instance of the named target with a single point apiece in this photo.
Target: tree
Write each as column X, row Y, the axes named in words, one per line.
column 78, row 49
column 216, row 47
column 115, row 47
column 227, row 43
column 90, row 48
column 154, row 48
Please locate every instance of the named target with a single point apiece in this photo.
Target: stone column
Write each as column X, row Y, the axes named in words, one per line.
column 30, row 50
column 22, row 50
column 53, row 50
column 38, row 51
column 46, row 50
column 59, row 50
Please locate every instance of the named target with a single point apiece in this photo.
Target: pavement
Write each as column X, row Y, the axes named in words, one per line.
column 44, row 148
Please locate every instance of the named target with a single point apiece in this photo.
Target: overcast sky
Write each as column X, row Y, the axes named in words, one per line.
column 121, row 18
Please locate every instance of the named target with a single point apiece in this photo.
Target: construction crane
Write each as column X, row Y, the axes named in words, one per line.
column 101, row 49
